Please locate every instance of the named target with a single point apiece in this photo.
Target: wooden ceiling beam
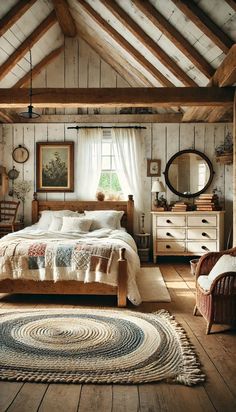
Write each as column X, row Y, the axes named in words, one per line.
column 14, row 14
column 151, row 13
column 205, row 24
column 8, row 117
column 109, row 118
column 225, row 75
column 39, row 67
column 118, row 97
column 148, row 42
column 7, row 66
column 64, row 17
column 125, row 45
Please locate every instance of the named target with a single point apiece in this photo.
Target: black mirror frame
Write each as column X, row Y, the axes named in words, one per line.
column 169, row 164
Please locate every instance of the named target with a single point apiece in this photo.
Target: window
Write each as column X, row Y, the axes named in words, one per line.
column 109, row 181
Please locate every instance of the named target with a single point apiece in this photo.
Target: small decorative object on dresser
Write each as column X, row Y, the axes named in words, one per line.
column 187, row 233
column 157, row 187
column 143, row 245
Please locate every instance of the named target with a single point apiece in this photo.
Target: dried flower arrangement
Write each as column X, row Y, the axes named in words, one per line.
column 224, row 152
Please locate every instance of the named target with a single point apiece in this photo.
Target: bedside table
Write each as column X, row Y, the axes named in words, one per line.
column 143, row 245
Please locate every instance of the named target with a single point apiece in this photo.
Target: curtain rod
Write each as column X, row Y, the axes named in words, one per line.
column 106, row 127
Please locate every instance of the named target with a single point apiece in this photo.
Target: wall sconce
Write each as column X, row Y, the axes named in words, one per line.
column 157, row 187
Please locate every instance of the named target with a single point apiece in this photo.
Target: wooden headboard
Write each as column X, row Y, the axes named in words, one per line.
column 81, row 205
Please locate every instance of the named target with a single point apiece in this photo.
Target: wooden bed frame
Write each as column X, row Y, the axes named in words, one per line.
column 71, row 286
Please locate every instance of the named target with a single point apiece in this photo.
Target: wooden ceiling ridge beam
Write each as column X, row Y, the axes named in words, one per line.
column 19, row 53
column 118, row 97
column 14, row 14
column 125, row 44
column 148, row 42
column 39, row 67
column 225, row 75
column 65, row 18
column 205, row 24
column 159, row 21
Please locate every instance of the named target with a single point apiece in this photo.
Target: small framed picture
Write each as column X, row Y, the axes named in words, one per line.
column 55, row 166
column 153, row 167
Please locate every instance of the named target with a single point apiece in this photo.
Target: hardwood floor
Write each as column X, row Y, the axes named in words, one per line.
column 217, row 353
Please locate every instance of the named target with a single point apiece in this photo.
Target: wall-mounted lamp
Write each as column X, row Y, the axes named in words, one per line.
column 30, row 114
column 157, row 187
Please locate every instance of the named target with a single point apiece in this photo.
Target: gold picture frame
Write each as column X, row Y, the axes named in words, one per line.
column 55, row 166
column 153, row 167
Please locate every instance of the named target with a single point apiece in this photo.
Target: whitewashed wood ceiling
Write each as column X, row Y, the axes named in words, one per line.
column 123, row 48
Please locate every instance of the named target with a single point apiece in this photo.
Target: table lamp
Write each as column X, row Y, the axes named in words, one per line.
column 157, row 187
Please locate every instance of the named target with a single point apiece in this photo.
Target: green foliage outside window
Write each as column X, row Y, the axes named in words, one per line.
column 109, row 182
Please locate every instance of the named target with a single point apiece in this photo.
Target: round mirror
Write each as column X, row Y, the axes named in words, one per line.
column 188, row 173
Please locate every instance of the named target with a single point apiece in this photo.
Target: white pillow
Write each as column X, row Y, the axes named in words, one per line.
column 226, row 263
column 104, row 218
column 56, row 224
column 47, row 215
column 72, row 224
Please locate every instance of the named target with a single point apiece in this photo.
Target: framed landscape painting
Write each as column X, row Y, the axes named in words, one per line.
column 55, row 166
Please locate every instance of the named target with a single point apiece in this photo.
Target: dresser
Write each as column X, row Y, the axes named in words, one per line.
column 187, row 233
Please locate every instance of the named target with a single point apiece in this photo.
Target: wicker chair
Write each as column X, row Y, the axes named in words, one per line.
column 8, row 213
column 218, row 304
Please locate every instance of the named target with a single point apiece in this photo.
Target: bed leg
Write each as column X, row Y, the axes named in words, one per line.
column 122, row 279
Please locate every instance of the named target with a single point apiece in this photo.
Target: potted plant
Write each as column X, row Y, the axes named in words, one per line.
column 224, row 152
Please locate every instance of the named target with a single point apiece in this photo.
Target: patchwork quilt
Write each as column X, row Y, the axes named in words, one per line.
column 52, row 260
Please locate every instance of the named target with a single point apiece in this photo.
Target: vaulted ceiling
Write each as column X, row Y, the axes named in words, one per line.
column 151, row 44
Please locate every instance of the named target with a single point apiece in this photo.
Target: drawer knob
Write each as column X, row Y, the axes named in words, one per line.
column 168, row 221
column 168, row 234
column 167, row 246
column 204, row 221
column 204, row 234
column 204, row 248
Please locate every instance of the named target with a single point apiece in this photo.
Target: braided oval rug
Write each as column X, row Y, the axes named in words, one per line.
column 95, row 345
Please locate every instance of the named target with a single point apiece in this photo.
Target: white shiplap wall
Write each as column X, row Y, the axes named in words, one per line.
column 159, row 141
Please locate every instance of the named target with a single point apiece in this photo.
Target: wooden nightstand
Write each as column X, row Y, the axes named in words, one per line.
column 143, row 245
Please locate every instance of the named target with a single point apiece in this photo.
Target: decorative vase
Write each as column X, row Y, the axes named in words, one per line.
column 100, row 196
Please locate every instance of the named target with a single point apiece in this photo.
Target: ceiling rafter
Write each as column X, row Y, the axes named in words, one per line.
column 147, row 41
column 125, row 45
column 39, row 67
column 225, row 75
column 205, row 24
column 123, row 68
column 14, row 14
column 64, row 17
column 27, row 44
column 174, row 36
column 119, row 97
column 7, row 116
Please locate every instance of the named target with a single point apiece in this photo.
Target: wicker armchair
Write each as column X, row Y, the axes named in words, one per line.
column 218, row 304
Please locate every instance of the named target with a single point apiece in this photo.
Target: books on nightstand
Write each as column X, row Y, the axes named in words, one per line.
column 207, row 201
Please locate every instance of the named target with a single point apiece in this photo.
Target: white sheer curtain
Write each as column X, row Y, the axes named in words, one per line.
column 128, row 158
column 88, row 162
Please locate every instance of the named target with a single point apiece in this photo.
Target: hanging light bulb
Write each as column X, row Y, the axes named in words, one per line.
column 30, row 114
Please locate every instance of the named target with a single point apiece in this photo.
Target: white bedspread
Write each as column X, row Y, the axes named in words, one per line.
column 120, row 238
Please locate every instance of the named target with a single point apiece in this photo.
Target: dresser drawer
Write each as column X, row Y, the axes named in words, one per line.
column 170, row 247
column 201, row 247
column 203, row 221
column 204, row 234
column 170, row 220
column 170, row 233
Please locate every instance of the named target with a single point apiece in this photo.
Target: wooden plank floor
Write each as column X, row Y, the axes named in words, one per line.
column 217, row 353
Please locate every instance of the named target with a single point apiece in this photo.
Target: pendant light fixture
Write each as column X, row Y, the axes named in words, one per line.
column 30, row 114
